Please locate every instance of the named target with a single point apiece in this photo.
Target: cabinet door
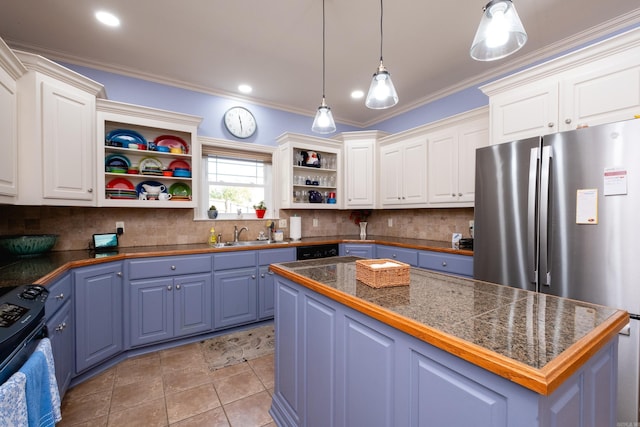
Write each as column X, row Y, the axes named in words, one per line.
column 60, row 327
column 151, row 311
column 442, row 166
column 605, row 91
column 98, row 314
column 234, row 297
column 471, row 136
column 414, row 169
column 266, row 296
column 67, row 143
column 359, row 175
column 531, row 110
column 192, row 305
column 8, row 135
column 408, row 256
column 391, row 175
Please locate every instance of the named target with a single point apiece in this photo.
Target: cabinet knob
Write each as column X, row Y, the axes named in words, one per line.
column 394, row 256
column 270, row 273
column 567, row 121
column 444, row 263
column 262, row 275
column 253, row 276
column 61, row 327
column 551, row 124
column 453, row 194
column 347, row 251
column 178, row 287
column 59, row 297
column 173, row 267
column 119, row 274
column 169, row 287
column 90, row 190
column 459, row 194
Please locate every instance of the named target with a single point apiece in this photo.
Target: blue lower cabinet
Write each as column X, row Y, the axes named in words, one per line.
column 167, row 308
column 461, row 265
column 98, row 308
column 357, row 249
column 408, row 256
column 335, row 366
column 61, row 333
column 235, row 297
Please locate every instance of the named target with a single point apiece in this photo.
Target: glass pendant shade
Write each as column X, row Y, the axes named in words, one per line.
column 500, row 32
column 382, row 93
column 323, row 123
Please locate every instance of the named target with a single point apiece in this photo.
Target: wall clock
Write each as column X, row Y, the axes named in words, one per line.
column 240, row 122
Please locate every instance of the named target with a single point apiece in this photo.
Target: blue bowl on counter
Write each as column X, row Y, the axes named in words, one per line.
column 27, row 245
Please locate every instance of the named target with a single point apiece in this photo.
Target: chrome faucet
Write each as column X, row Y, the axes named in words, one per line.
column 236, row 232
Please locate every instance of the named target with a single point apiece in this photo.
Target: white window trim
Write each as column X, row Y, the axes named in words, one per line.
column 200, row 211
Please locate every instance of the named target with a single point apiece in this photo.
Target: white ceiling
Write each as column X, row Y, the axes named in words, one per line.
column 276, row 46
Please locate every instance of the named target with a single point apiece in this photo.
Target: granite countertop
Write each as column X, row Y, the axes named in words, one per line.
column 533, row 339
column 44, row 268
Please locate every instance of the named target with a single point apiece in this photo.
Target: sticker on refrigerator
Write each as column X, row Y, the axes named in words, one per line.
column 587, row 206
column 615, row 181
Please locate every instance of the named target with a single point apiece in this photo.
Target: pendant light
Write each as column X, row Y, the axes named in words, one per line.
column 381, row 94
column 500, row 32
column 323, row 123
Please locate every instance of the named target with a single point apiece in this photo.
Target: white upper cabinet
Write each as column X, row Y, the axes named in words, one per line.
column 452, row 158
column 595, row 85
column 403, row 171
column 11, row 69
column 56, row 122
column 360, row 159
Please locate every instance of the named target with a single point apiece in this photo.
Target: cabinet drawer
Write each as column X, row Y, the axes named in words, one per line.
column 59, row 293
column 408, row 256
column 272, row 256
column 446, row 263
column 228, row 260
column 169, row 266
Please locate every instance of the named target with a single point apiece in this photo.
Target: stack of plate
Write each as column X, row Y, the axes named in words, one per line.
column 180, row 192
column 181, row 169
column 116, row 163
column 150, row 166
column 124, row 137
column 120, row 188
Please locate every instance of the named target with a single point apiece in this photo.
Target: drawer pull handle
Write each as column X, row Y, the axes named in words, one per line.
column 61, row 327
column 173, row 267
column 59, row 297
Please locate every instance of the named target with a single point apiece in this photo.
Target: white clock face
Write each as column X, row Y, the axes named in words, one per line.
column 240, row 122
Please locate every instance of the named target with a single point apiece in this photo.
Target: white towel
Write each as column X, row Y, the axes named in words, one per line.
column 13, row 401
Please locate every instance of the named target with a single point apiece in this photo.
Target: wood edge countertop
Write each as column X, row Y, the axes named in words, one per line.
column 542, row 381
column 194, row 249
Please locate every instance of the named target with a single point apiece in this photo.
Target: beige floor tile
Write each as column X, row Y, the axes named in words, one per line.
column 85, row 408
column 264, row 367
column 129, row 395
column 176, row 381
column 193, row 401
column 138, row 372
column 213, row 418
column 230, row 371
column 238, row 386
column 252, row 411
column 152, row 413
column 96, row 422
column 99, row 383
column 177, row 361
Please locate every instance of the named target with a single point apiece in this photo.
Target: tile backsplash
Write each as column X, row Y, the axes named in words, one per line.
column 149, row 227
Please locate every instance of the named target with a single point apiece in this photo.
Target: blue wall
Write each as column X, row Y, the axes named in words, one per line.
column 272, row 122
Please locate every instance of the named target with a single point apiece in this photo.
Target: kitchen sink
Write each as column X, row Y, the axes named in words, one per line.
column 255, row 243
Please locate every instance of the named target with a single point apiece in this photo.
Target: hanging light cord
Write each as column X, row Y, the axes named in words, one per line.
column 323, row 55
column 381, row 37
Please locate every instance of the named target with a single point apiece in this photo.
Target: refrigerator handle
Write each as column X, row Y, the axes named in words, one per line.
column 545, row 183
column 532, row 255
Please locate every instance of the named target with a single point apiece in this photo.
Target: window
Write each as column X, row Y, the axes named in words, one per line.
column 235, row 181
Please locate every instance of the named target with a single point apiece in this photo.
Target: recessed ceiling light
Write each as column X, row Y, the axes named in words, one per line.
column 108, row 18
column 245, row 88
column 357, row 94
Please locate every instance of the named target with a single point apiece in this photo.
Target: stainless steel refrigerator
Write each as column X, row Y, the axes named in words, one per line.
column 560, row 214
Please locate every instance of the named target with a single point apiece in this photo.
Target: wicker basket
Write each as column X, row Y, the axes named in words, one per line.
column 381, row 277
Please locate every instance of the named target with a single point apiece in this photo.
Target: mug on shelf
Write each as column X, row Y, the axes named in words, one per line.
column 164, row 196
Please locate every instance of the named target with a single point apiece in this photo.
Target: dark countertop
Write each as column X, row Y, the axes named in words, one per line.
column 534, row 339
column 44, row 268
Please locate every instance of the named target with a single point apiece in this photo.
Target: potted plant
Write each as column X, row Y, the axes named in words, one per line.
column 260, row 208
column 212, row 212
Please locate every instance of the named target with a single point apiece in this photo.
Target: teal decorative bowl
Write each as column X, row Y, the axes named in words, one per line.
column 25, row 245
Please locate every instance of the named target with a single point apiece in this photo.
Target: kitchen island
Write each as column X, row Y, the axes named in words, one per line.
column 441, row 351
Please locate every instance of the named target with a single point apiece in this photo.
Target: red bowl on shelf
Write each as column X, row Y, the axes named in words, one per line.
column 167, row 172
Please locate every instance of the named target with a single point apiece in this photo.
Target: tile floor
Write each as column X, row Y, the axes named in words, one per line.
column 174, row 388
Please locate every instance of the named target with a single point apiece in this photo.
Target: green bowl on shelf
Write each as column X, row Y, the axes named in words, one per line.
column 27, row 245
